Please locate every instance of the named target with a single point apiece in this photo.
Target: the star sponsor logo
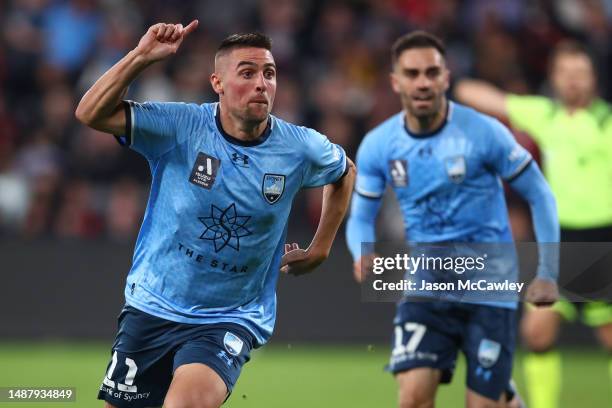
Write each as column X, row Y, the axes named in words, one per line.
column 225, row 227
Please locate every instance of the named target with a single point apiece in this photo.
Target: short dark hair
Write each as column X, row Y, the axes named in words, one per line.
column 256, row 40
column 570, row 47
column 416, row 39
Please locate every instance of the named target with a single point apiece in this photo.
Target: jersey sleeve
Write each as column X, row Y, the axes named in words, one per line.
column 371, row 181
column 155, row 128
column 325, row 161
column 530, row 114
column 504, row 154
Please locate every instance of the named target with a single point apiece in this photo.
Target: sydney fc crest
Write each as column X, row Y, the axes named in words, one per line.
column 232, row 343
column 488, row 353
column 272, row 187
column 455, row 168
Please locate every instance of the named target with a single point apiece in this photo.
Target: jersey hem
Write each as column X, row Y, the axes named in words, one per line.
column 259, row 340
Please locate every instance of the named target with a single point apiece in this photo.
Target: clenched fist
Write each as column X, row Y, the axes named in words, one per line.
column 542, row 292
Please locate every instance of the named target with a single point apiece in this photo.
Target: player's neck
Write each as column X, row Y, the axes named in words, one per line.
column 571, row 108
column 240, row 129
column 429, row 123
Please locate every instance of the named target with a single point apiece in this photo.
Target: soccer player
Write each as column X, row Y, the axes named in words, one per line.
column 574, row 131
column 201, row 291
column 444, row 162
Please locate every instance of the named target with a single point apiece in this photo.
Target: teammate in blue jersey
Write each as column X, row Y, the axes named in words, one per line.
column 201, row 291
column 445, row 163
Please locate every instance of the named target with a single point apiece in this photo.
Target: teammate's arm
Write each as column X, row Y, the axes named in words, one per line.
column 482, row 96
column 532, row 186
column 369, row 189
column 336, row 198
column 101, row 107
column 515, row 165
column 361, row 227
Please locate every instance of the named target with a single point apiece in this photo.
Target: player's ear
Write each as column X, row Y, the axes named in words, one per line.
column 216, row 83
column 394, row 82
column 447, row 79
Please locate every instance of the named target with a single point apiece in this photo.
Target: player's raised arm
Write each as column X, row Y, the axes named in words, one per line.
column 101, row 106
column 482, row 96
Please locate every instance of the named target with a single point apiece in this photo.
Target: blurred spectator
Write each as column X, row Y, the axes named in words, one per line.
column 72, row 29
column 77, row 216
column 287, row 103
column 282, row 20
column 124, row 210
column 14, row 192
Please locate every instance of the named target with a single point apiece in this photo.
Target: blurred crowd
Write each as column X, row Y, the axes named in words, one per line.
column 61, row 179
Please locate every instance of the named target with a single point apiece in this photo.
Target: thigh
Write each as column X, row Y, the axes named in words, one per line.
column 221, row 350
column 417, row 387
column 196, row 385
column 140, row 370
column 489, row 345
column 426, row 335
column 540, row 327
column 475, row 400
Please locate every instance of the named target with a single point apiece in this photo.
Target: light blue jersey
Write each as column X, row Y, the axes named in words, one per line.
column 448, row 184
column 213, row 234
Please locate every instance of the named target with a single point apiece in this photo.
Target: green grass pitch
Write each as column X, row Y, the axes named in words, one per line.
column 282, row 375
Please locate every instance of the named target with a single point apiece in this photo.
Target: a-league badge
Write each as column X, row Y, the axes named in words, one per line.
column 399, row 172
column 455, row 168
column 272, row 187
column 204, row 171
column 488, row 353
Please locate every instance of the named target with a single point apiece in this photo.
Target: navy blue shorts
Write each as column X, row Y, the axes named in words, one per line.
column 148, row 349
column 430, row 334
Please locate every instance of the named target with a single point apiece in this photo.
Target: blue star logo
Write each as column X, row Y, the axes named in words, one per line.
column 225, row 227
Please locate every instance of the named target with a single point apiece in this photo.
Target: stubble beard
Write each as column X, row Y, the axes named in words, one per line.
column 424, row 117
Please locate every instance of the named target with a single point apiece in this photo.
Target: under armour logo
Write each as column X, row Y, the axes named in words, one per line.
column 240, row 159
column 226, row 359
column 425, row 152
column 485, row 374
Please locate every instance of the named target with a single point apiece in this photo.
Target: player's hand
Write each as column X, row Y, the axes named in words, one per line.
column 162, row 40
column 542, row 292
column 298, row 261
column 362, row 268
